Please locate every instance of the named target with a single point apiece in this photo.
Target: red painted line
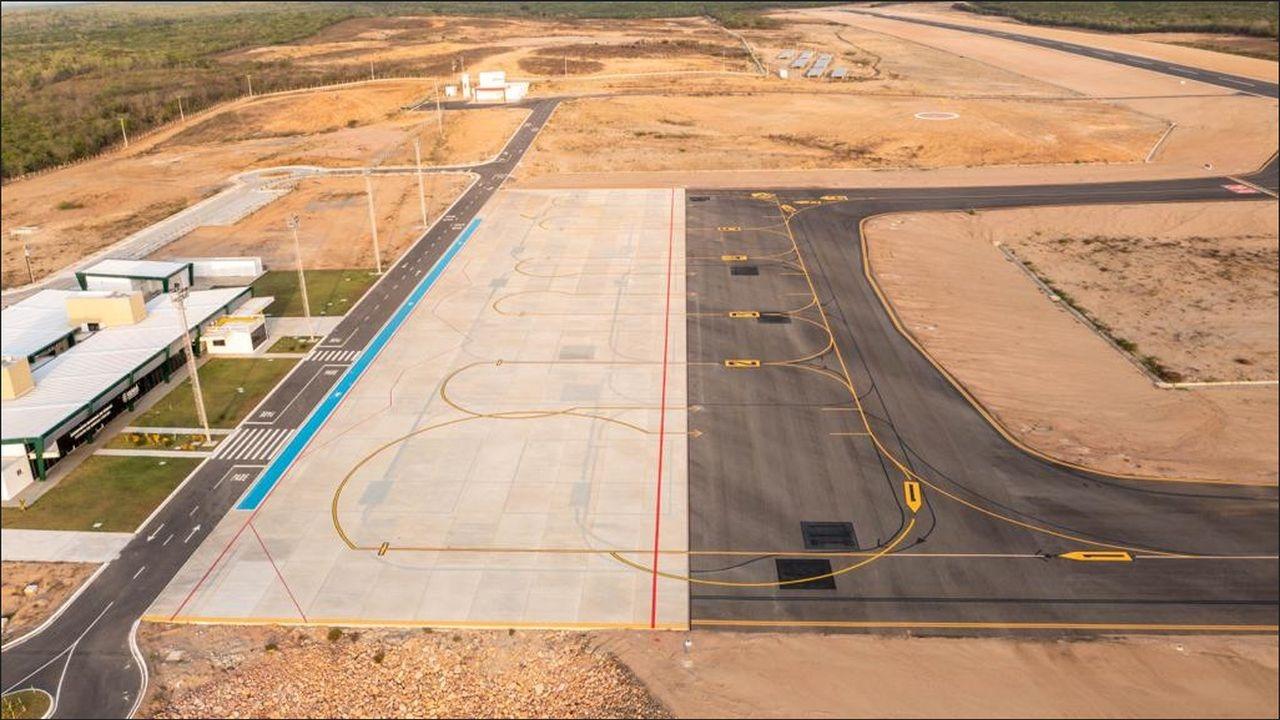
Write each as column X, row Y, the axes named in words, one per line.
column 662, row 420
column 212, row 565
column 273, row 567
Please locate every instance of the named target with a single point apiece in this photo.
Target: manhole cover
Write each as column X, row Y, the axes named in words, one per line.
column 828, row 536
column 773, row 318
column 800, row 569
column 937, row 115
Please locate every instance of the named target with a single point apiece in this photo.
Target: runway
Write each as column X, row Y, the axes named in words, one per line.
column 846, row 457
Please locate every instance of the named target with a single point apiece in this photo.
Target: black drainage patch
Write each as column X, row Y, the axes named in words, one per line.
column 699, row 198
column 800, row 569
column 744, row 270
column 828, row 536
column 774, row 318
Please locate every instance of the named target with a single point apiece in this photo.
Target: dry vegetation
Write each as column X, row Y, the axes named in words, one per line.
column 279, row 672
column 54, row 583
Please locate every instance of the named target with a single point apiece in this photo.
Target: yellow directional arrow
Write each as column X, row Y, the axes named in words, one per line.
column 1097, row 556
column 911, row 491
column 788, row 210
column 733, row 258
column 834, row 198
column 744, row 314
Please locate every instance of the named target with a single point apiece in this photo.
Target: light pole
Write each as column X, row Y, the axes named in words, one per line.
column 182, row 115
column 373, row 221
column 24, row 232
column 249, row 79
column 439, row 113
column 179, row 297
column 422, row 193
column 124, row 134
column 293, row 223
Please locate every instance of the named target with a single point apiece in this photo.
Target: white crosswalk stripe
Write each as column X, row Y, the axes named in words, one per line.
column 259, row 443
column 334, row 356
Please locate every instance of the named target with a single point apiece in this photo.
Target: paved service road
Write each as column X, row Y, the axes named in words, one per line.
column 922, row 516
column 1233, row 82
column 83, row 658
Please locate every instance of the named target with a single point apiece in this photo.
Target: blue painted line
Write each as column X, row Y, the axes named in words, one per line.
column 276, row 470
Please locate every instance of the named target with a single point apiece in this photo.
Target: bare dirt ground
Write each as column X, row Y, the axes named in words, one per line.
column 809, row 675
column 795, row 131
column 90, row 206
column 1260, row 47
column 1062, row 389
column 229, row 671
column 1139, row 44
column 1217, row 130
column 54, row 584
column 334, row 223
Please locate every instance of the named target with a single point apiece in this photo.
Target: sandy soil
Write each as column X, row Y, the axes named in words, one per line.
column 55, row 581
column 1139, row 44
column 816, row 130
column 334, row 223
column 1227, row 132
column 105, row 200
column 1062, row 389
column 807, row 675
column 233, row 671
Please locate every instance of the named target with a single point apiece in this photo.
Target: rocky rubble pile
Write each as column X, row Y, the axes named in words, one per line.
column 420, row 674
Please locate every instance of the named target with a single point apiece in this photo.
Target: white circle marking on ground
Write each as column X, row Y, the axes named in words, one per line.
column 937, row 115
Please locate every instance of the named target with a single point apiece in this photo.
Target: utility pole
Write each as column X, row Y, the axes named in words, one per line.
column 124, row 134
column 373, row 222
column 435, row 86
column 292, row 223
column 179, row 297
column 566, row 66
column 370, row 69
column 249, row 78
column 24, row 232
column 422, row 194
column 182, row 115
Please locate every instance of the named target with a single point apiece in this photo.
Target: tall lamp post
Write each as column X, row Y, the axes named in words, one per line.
column 373, row 221
column 293, row 223
column 24, row 232
column 422, row 195
column 179, row 297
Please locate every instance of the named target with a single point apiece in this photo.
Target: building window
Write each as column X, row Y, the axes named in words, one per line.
column 218, row 343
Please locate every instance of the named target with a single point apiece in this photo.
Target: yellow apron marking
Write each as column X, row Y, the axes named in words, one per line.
column 807, row 202
column 744, row 314
column 1097, row 556
column 741, row 363
column 762, row 196
column 382, row 549
column 834, row 198
column 729, row 228
column 911, row 491
column 788, row 209
column 733, row 258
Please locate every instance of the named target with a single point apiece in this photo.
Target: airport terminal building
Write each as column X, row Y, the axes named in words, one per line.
column 73, row 360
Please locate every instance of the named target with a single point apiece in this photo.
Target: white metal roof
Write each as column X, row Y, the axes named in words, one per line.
column 76, row 377
column 158, row 269
column 32, row 324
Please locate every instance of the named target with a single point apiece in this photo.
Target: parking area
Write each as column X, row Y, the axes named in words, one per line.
column 516, row 456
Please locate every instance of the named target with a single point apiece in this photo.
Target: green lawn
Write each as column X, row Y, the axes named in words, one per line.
column 24, row 704
column 332, row 292
column 289, row 344
column 119, row 492
column 161, row 441
column 231, row 386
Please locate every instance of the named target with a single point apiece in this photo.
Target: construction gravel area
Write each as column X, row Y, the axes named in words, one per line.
column 333, row 230
column 788, row 675
column 53, row 582
column 1193, row 285
column 87, row 207
column 271, row 671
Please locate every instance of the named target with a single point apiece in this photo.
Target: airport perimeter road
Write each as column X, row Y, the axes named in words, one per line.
column 842, row 482
column 1232, row 82
column 84, row 657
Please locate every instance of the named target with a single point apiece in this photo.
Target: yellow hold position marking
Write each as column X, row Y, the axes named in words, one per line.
column 733, row 258
column 911, row 491
column 1097, row 556
column 741, row 363
column 729, row 228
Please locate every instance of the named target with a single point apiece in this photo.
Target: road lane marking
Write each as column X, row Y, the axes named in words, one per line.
column 135, row 575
